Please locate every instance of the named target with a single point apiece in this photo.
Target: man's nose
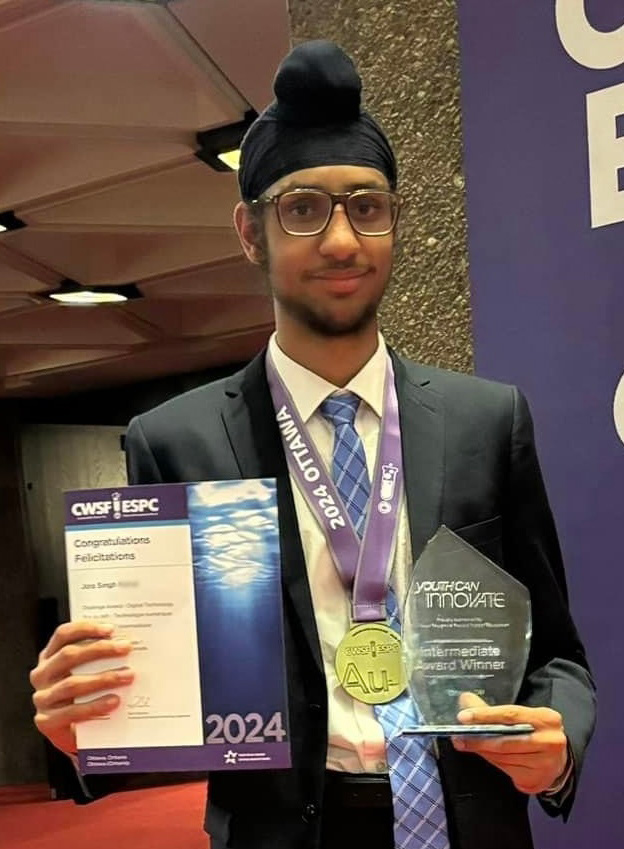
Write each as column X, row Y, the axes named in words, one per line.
column 339, row 239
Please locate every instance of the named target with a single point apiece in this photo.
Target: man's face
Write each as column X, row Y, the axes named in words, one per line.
column 331, row 283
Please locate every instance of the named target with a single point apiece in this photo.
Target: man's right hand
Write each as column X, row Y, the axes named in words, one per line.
column 71, row 645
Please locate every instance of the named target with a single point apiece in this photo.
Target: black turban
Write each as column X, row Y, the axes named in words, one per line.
column 314, row 120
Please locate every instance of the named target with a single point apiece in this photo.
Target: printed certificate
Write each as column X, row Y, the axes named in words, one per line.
column 190, row 574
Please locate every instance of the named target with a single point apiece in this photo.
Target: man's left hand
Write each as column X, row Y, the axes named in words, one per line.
column 534, row 761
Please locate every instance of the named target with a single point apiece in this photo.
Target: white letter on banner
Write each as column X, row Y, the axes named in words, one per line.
column 606, row 155
column 618, row 409
column 586, row 45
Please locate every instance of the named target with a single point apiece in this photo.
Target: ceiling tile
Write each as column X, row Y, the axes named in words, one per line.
column 190, row 195
column 29, row 361
column 232, row 40
column 110, row 257
column 204, row 317
column 12, row 280
column 8, row 303
column 106, row 64
column 57, row 325
column 36, row 167
column 237, row 277
column 151, row 362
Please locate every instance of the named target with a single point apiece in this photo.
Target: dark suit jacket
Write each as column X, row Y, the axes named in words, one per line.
column 470, row 463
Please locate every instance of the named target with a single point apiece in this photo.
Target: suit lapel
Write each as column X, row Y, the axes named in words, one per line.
column 422, row 435
column 249, row 420
column 423, row 442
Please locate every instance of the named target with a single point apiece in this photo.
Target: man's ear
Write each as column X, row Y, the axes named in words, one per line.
column 247, row 229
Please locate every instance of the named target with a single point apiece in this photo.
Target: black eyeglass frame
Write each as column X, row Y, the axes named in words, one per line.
column 336, row 198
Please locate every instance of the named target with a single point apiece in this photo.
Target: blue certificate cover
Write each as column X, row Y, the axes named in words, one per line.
column 190, row 574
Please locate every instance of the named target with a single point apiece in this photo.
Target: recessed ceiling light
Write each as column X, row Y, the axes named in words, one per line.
column 9, row 221
column 72, row 293
column 231, row 158
column 87, row 298
column 219, row 148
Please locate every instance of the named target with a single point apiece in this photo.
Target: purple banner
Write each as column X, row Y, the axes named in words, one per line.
column 543, row 114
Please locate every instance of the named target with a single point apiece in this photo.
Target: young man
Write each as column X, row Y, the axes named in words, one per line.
column 319, row 210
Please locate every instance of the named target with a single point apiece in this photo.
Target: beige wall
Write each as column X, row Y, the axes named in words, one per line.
column 408, row 55
column 55, row 459
column 37, row 463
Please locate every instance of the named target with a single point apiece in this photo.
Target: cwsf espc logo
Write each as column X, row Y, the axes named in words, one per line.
column 116, row 507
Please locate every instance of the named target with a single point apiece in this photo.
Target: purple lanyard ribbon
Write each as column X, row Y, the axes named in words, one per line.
column 363, row 565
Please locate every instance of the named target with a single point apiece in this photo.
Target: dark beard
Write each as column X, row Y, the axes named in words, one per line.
column 326, row 325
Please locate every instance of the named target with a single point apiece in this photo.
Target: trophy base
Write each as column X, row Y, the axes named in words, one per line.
column 467, row 730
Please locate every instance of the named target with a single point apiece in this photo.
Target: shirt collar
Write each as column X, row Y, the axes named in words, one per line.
column 308, row 389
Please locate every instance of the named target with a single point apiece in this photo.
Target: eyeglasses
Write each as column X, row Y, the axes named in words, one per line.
column 307, row 212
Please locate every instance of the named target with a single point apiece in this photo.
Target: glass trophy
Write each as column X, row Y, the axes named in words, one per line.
column 466, row 628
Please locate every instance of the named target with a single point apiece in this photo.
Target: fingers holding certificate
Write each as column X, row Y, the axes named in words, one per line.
column 63, row 698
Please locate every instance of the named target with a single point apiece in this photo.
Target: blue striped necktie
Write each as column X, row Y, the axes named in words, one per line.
column 419, row 816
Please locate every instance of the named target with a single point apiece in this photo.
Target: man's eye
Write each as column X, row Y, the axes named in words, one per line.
column 299, row 208
column 367, row 208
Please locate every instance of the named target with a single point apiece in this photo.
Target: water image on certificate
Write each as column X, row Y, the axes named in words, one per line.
column 236, row 555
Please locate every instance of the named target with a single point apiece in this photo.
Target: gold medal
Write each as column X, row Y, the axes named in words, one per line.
column 369, row 663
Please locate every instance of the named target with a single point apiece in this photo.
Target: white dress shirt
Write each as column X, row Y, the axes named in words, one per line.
column 356, row 740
